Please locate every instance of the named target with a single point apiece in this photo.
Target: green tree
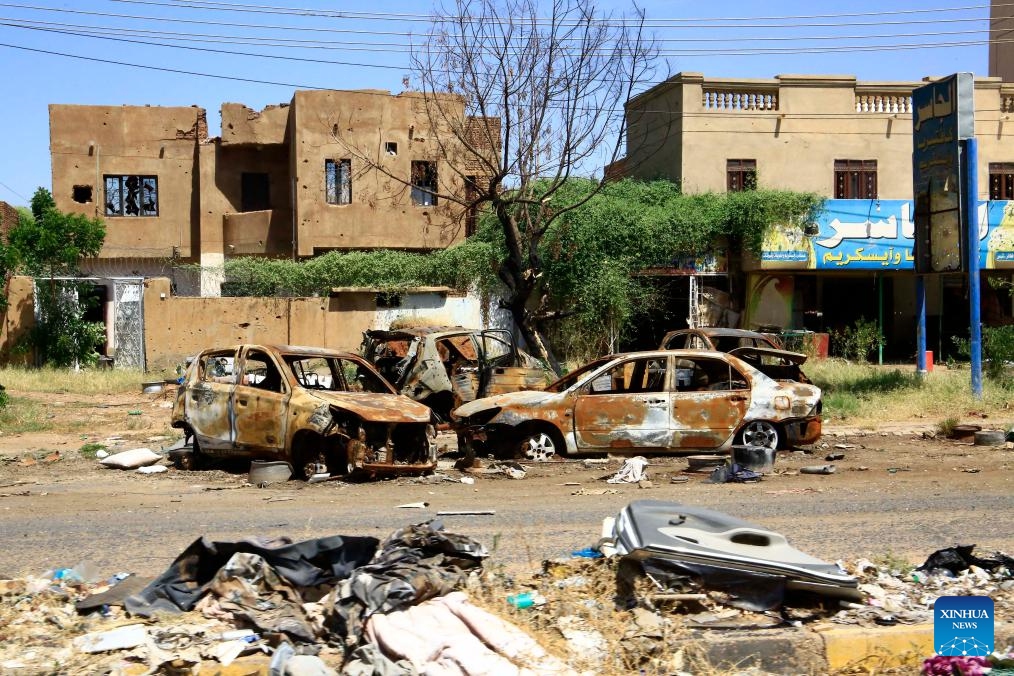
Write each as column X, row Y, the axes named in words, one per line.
column 50, row 245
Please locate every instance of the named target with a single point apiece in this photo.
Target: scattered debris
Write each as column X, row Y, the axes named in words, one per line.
column 817, row 469
column 152, row 469
column 834, row 456
column 510, row 468
column 468, row 512
column 414, row 505
column 733, row 473
column 631, row 472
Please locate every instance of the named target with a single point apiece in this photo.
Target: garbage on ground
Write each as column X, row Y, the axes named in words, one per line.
column 732, row 473
column 631, row 472
column 132, row 459
column 152, row 469
column 509, row 468
column 817, row 469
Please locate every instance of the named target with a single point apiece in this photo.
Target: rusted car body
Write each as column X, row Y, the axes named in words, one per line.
column 646, row 402
column 321, row 411
column 444, row 367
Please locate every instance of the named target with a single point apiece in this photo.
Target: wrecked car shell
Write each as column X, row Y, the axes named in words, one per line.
column 320, row 410
column 717, row 339
column 445, row 367
column 646, row 402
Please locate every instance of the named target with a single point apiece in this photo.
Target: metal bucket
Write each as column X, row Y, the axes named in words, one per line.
column 269, row 472
column 755, row 458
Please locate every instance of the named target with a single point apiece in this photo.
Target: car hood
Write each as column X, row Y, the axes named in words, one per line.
column 377, row 407
column 523, row 398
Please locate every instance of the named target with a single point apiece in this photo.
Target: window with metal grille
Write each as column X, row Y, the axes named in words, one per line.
column 855, row 179
column 131, row 195
column 338, row 181
column 740, row 175
column 424, row 183
column 1001, row 180
column 471, row 213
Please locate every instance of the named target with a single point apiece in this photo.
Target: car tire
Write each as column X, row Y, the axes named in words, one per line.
column 760, row 433
column 540, row 444
column 192, row 461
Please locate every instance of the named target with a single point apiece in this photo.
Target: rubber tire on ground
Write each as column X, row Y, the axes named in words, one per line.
column 990, row 438
column 539, row 445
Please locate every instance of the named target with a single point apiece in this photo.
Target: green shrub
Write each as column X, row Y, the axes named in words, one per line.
column 945, row 427
column 857, row 341
column 4, row 398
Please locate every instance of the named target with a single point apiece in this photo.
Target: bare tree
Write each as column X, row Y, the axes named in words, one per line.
column 520, row 96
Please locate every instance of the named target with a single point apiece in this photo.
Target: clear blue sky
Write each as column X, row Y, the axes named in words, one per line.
column 368, row 48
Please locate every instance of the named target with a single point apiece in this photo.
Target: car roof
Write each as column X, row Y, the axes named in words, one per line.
column 721, row 331
column 418, row 331
column 666, row 353
column 289, row 349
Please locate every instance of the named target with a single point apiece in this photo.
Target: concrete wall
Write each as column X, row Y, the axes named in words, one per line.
column 18, row 320
column 350, row 125
column 795, row 127
column 174, row 330
column 90, row 142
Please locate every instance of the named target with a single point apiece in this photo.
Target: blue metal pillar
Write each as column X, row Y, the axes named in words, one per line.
column 969, row 165
column 920, row 324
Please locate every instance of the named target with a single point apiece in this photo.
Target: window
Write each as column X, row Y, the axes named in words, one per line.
column 338, row 179
column 740, row 175
column 1001, row 180
column 255, row 193
column 391, row 148
column 260, row 372
column 424, row 183
column 82, row 194
column 855, row 179
column 471, row 213
column 131, row 196
column 639, row 375
column 707, row 375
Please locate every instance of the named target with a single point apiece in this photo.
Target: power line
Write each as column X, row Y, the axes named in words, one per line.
column 13, row 191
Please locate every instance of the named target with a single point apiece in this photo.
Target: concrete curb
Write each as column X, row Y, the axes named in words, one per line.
column 828, row 648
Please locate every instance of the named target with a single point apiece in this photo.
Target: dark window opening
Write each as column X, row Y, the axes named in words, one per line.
column 338, row 181
column 391, row 148
column 131, row 195
column 740, row 175
column 255, row 192
column 1001, row 180
column 855, row 179
column 471, row 209
column 387, row 299
column 424, row 183
column 82, row 194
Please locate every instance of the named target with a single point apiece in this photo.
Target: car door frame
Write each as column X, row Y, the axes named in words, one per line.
column 260, row 417
column 610, row 421
column 707, row 419
column 208, row 403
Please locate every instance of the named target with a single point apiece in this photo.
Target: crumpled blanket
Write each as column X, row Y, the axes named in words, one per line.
column 631, row 472
column 310, row 563
column 448, row 636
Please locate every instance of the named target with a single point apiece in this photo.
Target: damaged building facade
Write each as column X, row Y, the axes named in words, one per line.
column 851, row 142
column 288, row 181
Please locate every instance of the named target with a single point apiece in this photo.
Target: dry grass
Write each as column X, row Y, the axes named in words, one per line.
column 864, row 394
column 86, row 381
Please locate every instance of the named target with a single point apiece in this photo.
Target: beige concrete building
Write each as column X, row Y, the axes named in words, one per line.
column 1001, row 40
column 851, row 142
column 292, row 180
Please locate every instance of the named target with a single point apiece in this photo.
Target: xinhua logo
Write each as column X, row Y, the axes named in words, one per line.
column 963, row 625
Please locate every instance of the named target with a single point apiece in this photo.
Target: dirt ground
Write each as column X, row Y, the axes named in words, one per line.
column 895, row 494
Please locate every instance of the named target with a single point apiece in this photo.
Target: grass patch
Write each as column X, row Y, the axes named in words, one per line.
column 945, row 427
column 24, row 415
column 90, row 450
column 86, row 381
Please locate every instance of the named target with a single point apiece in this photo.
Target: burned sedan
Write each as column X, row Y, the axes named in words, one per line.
column 321, row 411
column 646, row 402
column 444, row 367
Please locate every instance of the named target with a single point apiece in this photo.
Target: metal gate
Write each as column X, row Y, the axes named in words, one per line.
column 128, row 324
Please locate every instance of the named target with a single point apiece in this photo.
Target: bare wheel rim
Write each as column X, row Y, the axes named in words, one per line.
column 538, row 447
column 760, row 433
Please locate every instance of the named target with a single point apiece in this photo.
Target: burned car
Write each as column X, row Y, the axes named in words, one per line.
column 646, row 402
column 320, row 410
column 444, row 367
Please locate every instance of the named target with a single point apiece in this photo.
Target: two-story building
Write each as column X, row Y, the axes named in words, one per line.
column 292, row 180
column 851, row 142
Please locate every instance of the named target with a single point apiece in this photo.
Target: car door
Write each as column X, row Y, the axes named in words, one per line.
column 709, row 402
column 627, row 406
column 500, row 368
column 260, row 404
column 208, row 400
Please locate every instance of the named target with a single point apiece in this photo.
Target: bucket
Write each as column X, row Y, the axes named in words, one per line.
column 755, row 458
column 269, row 472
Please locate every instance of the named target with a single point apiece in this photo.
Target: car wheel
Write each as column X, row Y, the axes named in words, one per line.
column 308, row 463
column 760, row 433
column 193, row 460
column 539, row 446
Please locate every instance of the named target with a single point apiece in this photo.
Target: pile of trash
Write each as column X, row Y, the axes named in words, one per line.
column 660, row 575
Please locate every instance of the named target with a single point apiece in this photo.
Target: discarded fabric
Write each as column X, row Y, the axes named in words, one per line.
column 631, row 472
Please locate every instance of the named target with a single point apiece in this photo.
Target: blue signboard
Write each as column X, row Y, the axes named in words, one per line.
column 879, row 235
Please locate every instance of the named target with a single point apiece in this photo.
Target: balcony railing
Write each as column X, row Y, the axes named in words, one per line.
column 740, row 99
column 890, row 102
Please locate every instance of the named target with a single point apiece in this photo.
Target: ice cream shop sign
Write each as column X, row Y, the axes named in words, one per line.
column 878, row 235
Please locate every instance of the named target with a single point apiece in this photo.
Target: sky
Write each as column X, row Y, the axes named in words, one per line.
column 101, row 52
